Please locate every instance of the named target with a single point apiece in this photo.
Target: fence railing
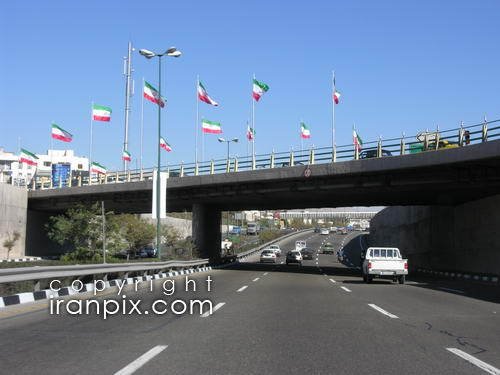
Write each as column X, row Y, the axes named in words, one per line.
column 422, row 142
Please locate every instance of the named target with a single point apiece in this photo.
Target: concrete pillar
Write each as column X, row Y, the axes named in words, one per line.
column 206, row 231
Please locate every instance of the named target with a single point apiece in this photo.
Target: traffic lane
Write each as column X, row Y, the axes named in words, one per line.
column 38, row 335
column 297, row 323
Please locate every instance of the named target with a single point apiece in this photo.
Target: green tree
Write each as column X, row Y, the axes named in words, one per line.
column 134, row 231
column 10, row 242
column 80, row 228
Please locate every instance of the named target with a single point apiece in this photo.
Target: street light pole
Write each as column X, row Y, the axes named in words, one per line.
column 173, row 52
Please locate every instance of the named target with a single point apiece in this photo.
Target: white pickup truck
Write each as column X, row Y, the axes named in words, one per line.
column 385, row 262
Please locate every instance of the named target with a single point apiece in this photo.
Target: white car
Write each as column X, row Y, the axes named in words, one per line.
column 325, row 231
column 299, row 245
column 276, row 249
column 384, row 262
column 268, row 256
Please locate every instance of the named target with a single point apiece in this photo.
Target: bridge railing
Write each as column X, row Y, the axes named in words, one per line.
column 423, row 142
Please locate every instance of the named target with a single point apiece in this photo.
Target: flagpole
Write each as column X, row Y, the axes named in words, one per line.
column 142, row 125
column 333, row 116
column 196, row 130
column 253, row 123
column 91, row 126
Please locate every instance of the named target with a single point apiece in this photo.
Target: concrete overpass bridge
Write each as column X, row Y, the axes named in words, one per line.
column 442, row 177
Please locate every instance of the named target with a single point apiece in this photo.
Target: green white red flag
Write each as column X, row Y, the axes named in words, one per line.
column 259, row 89
column 97, row 168
column 61, row 134
column 28, row 157
column 203, row 95
column 211, row 127
column 126, row 156
column 250, row 133
column 304, row 131
column 356, row 140
column 101, row 113
column 164, row 145
column 152, row 95
column 336, row 97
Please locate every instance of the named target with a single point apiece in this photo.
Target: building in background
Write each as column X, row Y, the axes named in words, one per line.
column 49, row 164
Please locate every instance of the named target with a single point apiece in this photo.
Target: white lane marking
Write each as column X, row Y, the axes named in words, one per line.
column 217, row 307
column 381, row 310
column 256, row 279
column 141, row 361
column 316, row 262
column 242, row 289
column 452, row 290
column 265, row 273
column 333, row 281
column 325, row 274
column 477, row 362
column 346, row 289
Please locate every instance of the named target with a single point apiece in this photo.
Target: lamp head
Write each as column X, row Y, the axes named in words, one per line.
column 234, row 140
column 221, row 139
column 147, row 53
column 174, row 52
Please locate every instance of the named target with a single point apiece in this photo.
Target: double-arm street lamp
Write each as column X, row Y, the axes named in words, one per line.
column 173, row 52
column 221, row 140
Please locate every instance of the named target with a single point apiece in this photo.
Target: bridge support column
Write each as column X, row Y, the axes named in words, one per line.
column 207, row 231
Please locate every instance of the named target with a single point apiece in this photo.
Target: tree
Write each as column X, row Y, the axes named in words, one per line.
column 135, row 232
column 10, row 242
column 81, row 228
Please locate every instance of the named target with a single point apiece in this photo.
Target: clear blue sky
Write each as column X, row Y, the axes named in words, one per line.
column 399, row 66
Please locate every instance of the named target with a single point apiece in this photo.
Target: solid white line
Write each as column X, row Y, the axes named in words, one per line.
column 482, row 365
column 333, row 281
column 452, row 290
column 242, row 288
column 347, row 290
column 381, row 310
column 217, row 307
column 256, row 279
column 141, row 361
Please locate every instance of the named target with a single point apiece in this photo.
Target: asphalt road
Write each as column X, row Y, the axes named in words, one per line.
column 271, row 319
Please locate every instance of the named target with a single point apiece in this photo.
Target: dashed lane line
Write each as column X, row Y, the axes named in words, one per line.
column 141, row 361
column 346, row 289
column 256, row 279
column 217, row 307
column 476, row 362
column 265, row 273
column 381, row 310
column 333, row 281
column 242, row 289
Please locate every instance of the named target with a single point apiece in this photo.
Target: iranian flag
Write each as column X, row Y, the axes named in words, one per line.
column 336, row 97
column 28, row 157
column 126, row 156
column 356, row 140
column 61, row 134
column 250, row 133
column 101, row 113
column 259, row 88
column 304, row 131
column 211, row 127
column 97, row 168
column 152, row 95
column 203, row 95
column 164, row 145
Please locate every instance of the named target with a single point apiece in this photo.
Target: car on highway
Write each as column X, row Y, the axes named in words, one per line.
column 384, row 262
column 317, row 229
column 276, row 249
column 268, row 256
column 372, row 153
column 325, row 231
column 328, row 248
column 294, row 257
column 307, row 253
column 333, row 229
column 299, row 245
column 343, row 231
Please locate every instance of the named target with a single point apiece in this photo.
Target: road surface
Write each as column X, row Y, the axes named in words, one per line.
column 271, row 319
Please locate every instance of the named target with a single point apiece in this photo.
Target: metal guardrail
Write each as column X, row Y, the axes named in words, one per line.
column 430, row 140
column 38, row 274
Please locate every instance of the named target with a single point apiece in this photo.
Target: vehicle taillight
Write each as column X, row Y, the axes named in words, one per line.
column 369, row 265
column 406, row 266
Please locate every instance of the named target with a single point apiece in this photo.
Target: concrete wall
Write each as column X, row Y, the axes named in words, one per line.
column 13, row 211
column 459, row 238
